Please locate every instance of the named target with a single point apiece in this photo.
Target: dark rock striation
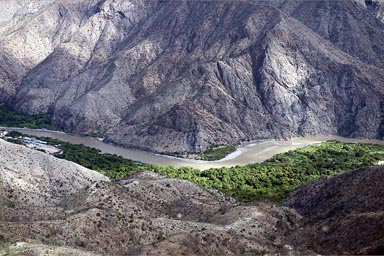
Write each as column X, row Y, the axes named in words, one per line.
column 175, row 76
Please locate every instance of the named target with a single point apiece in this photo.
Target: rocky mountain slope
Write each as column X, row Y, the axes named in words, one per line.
column 32, row 181
column 53, row 205
column 343, row 214
column 174, row 76
column 144, row 213
column 377, row 7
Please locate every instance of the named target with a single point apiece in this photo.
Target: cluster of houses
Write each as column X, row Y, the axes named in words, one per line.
column 3, row 133
column 33, row 143
column 40, row 145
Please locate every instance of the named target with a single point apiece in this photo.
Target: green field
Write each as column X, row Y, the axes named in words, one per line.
column 269, row 180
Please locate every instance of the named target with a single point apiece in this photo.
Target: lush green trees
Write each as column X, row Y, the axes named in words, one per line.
column 269, row 180
column 12, row 119
column 217, row 153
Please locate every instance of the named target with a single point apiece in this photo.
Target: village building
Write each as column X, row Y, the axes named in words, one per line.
column 3, row 133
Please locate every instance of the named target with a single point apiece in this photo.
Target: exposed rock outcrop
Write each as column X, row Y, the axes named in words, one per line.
column 377, row 7
column 346, row 24
column 174, row 76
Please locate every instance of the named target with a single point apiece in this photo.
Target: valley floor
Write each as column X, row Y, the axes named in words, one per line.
column 247, row 153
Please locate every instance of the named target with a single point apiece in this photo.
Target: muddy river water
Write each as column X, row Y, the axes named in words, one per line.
column 245, row 154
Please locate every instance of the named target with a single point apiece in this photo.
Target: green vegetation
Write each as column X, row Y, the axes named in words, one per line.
column 15, row 134
column 111, row 165
column 217, row 153
column 268, row 180
column 12, row 119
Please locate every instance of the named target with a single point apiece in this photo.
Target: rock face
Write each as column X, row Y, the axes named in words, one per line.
column 346, row 24
column 174, row 76
column 343, row 214
column 377, row 7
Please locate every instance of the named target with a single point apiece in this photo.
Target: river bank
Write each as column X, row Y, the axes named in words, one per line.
column 244, row 154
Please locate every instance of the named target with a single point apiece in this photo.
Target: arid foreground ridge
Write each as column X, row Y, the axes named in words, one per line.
column 51, row 204
column 174, row 76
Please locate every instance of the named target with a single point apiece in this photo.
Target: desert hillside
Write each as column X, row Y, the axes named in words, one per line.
column 55, row 205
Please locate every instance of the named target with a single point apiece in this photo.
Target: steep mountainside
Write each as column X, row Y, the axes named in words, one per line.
column 344, row 23
column 343, row 214
column 31, row 181
column 173, row 76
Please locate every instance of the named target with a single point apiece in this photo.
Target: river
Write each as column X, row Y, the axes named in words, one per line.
column 245, row 154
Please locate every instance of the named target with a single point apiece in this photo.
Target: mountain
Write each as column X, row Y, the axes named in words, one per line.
column 176, row 76
column 342, row 214
column 377, row 7
column 53, row 205
column 79, row 210
column 35, row 183
column 346, row 24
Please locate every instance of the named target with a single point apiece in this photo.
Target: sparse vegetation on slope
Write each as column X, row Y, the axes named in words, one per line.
column 13, row 119
column 268, row 180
